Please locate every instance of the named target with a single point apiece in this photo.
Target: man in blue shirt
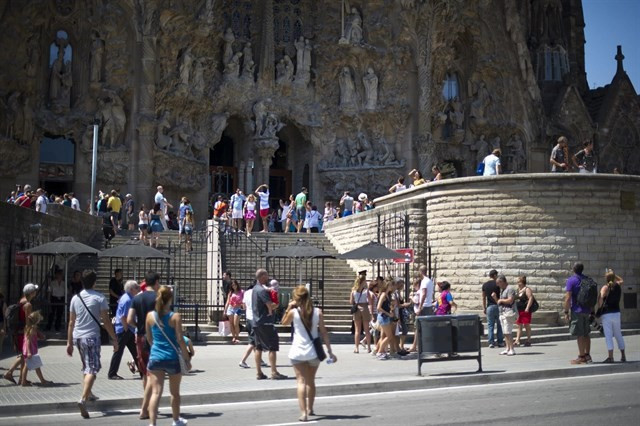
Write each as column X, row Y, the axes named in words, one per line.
column 124, row 332
column 185, row 205
column 579, row 325
column 237, row 201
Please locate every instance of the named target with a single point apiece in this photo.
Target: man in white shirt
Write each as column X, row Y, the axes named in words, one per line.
column 159, row 199
column 236, row 202
column 41, row 201
column 492, row 164
column 426, row 303
column 75, row 204
column 263, row 194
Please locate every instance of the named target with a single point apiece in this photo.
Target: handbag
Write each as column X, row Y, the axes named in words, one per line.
column 104, row 335
column 317, row 343
column 181, row 360
column 34, row 362
column 224, row 328
column 534, row 305
column 354, row 307
column 600, row 310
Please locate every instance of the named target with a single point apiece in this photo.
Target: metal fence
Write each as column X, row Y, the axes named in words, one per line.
column 40, row 271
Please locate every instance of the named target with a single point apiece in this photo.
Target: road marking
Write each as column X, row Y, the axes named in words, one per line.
column 291, row 400
column 292, row 423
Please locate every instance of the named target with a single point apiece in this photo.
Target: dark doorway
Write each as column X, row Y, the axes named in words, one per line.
column 222, row 153
column 279, row 176
column 57, row 164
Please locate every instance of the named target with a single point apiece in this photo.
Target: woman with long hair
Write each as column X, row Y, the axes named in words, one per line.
column 609, row 310
column 187, row 227
column 292, row 217
column 29, row 293
column 143, row 224
column 30, row 350
column 164, row 335
column 250, row 213
column 308, row 324
column 359, row 297
column 155, row 225
column 233, row 309
column 525, row 300
column 386, row 320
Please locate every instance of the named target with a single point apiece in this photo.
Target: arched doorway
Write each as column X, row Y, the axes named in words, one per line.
column 280, row 185
column 57, row 165
column 224, row 158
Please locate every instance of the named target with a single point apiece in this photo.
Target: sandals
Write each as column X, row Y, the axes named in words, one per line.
column 607, row 361
column 278, row 376
column 261, row 376
column 9, row 377
column 579, row 360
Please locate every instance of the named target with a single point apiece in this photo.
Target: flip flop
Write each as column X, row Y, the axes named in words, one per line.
column 10, row 378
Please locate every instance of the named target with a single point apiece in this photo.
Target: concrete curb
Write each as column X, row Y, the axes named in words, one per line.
column 429, row 382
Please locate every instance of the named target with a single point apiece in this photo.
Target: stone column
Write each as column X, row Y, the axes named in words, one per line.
column 266, row 75
column 241, row 170
column 265, row 147
column 249, row 177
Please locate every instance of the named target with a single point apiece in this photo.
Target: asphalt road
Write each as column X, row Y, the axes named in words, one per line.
column 607, row 399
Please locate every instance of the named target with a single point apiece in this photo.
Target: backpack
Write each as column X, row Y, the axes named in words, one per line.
column 588, row 294
column 480, row 169
column 12, row 319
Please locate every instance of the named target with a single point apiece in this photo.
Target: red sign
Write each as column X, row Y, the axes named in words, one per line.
column 406, row 256
column 23, row 259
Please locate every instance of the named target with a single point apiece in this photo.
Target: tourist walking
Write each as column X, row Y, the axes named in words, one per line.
column 163, row 205
column 425, row 303
column 560, row 156
column 250, row 213
column 301, row 202
column 444, row 302
column 346, row 202
column 312, row 219
column 24, row 309
column 108, row 227
column 579, row 325
column 233, row 310
column 585, row 160
column 609, row 312
column 490, row 296
column 125, row 333
column 263, row 194
column 164, row 335
column 492, row 165
column 525, row 307
column 130, row 211
column 187, row 225
column 143, row 225
column 84, row 331
column 308, row 325
column 264, row 329
column 156, row 225
column 360, row 301
column 237, row 201
column 329, row 213
column 32, row 360
column 116, row 289
column 387, row 321
column 508, row 312
column 185, row 207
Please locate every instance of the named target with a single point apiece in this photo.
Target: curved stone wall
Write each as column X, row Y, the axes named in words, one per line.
column 536, row 225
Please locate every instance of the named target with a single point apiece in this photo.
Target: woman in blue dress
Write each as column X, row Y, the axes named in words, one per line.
column 155, row 225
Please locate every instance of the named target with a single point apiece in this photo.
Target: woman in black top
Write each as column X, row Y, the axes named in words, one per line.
column 609, row 309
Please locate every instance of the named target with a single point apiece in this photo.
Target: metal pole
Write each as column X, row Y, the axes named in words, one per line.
column 94, row 166
column 406, row 265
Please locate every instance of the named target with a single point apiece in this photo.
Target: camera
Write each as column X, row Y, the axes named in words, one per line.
column 595, row 324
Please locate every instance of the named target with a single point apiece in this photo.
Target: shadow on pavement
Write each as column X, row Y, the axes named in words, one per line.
column 199, row 416
column 465, row 373
column 529, row 353
column 337, row 417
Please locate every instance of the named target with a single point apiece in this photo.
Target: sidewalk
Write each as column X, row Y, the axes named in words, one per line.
column 219, row 379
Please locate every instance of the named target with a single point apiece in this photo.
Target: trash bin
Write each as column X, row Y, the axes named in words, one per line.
column 448, row 335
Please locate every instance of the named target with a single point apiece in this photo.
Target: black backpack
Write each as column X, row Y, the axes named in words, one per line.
column 12, row 319
column 588, row 293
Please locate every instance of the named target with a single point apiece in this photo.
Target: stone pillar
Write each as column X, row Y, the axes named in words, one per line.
column 249, row 177
column 266, row 75
column 241, row 170
column 265, row 147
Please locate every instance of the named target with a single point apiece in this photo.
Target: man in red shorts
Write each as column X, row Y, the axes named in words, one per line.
column 263, row 194
column 143, row 303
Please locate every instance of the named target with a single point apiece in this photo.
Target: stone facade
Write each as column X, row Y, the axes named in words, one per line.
column 534, row 225
column 205, row 96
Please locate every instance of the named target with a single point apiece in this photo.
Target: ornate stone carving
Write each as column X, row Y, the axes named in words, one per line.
column 361, row 152
column 353, row 32
column 111, row 168
column 516, row 155
column 61, row 79
column 232, row 70
column 303, row 61
column 198, row 83
column 113, row 120
column 481, row 147
column 180, row 173
column 348, row 95
column 265, row 124
column 481, row 99
column 227, row 53
column 97, row 55
column 370, row 82
column 184, row 69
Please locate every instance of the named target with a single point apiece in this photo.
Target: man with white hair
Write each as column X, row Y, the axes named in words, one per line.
column 124, row 332
column 160, row 199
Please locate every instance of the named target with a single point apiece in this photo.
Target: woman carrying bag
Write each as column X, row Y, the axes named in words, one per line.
column 168, row 355
column 609, row 312
column 306, row 351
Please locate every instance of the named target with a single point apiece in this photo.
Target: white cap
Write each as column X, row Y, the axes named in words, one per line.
column 362, row 196
column 29, row 288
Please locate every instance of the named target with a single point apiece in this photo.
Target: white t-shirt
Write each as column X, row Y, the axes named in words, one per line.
column 160, row 200
column 491, row 163
column 41, row 204
column 246, row 299
column 312, row 219
column 85, row 325
column 427, row 284
column 75, row 204
column 264, row 200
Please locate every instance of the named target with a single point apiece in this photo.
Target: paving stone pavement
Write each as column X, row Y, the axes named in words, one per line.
column 217, row 371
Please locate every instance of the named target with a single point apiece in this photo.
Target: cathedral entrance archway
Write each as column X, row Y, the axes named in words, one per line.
column 57, row 164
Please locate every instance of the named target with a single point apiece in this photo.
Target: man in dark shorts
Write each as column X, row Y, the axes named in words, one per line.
column 264, row 330
column 143, row 303
column 578, row 316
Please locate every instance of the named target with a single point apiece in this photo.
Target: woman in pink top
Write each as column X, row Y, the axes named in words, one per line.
column 234, row 310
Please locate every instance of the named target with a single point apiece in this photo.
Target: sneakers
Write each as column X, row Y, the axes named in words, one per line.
column 491, row 345
column 511, row 353
column 179, row 422
column 382, row 357
column 243, row 365
column 505, row 352
column 82, row 405
column 263, row 364
column 403, row 352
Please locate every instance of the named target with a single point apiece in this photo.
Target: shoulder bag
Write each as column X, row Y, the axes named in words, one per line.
column 181, row 360
column 317, row 342
column 354, row 307
column 104, row 335
column 598, row 313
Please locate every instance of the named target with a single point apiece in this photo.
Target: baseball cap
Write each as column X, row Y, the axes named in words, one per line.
column 30, row 288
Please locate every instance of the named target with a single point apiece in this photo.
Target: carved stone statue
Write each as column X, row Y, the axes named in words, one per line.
column 163, row 141
column 370, row 82
column 456, row 115
column 481, row 146
column 198, row 77
column 288, row 69
column 354, row 29
column 227, row 53
column 516, row 155
column 33, row 55
column 218, row 124
column 348, row 96
column 57, row 71
column 247, row 58
column 365, row 154
column 280, row 72
column 97, row 55
column 495, row 143
column 272, row 125
column 113, row 120
column 232, row 70
column 303, row 61
column 184, row 69
column 299, row 45
column 259, row 114
column 180, row 138
column 480, row 102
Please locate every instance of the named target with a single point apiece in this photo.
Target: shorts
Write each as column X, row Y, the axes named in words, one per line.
column 234, row 310
column 506, row 321
column 424, row 312
column 362, row 314
column 89, row 349
column 236, row 214
column 266, row 338
column 250, row 214
column 346, row 213
column 524, row 318
column 169, row 366
column 143, row 354
column 187, row 230
column 143, row 226
column 383, row 319
column 301, row 212
column 315, row 362
column 250, row 333
column 264, row 213
column 579, row 326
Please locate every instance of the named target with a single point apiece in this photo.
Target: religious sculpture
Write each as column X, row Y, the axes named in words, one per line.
column 481, row 146
column 266, row 124
column 232, row 69
column 348, row 96
column 113, row 119
column 353, row 33
column 33, row 55
column 247, row 59
column 198, row 77
column 288, row 69
column 227, row 53
column 365, row 150
column 280, row 72
column 163, row 141
column 184, row 69
column 180, row 138
column 97, row 55
column 218, row 124
column 61, row 80
column 516, row 156
column 456, row 115
column 259, row 114
column 370, row 82
column 480, row 102
column 303, row 61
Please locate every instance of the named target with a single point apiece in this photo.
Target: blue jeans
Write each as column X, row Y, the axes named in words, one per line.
column 493, row 320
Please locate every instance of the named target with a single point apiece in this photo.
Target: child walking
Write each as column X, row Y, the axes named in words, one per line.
column 30, row 350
